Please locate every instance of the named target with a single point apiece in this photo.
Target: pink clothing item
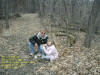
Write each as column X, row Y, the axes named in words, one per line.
column 51, row 51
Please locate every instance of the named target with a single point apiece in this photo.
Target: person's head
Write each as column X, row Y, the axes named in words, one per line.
column 50, row 42
column 42, row 33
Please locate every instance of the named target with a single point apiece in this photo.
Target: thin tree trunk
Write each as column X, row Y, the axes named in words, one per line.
column 6, row 14
column 91, row 23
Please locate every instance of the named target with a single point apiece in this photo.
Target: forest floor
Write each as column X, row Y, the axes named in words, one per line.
column 76, row 60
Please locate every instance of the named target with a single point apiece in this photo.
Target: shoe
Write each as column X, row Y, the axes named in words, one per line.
column 31, row 54
column 35, row 57
column 39, row 54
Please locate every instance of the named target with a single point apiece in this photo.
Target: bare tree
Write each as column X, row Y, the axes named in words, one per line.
column 13, row 8
column 91, row 23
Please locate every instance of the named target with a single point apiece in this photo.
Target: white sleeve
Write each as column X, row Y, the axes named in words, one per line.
column 45, row 50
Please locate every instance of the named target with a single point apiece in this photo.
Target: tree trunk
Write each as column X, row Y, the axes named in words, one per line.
column 91, row 23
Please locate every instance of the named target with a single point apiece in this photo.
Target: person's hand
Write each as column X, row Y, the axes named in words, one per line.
column 36, row 46
column 43, row 47
column 43, row 44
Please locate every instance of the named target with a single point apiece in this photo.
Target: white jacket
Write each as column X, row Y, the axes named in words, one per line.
column 50, row 51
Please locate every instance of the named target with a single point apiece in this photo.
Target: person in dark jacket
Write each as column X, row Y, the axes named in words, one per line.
column 39, row 38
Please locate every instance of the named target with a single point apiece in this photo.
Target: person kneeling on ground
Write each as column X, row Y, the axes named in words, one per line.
column 49, row 51
column 39, row 39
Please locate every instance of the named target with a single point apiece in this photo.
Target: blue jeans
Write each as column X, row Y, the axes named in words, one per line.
column 32, row 51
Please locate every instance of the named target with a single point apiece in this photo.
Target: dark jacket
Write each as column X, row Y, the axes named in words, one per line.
column 37, row 39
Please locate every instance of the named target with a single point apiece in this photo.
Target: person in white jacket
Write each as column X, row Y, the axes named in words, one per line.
column 49, row 51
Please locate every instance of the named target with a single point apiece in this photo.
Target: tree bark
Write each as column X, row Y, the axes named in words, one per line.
column 91, row 23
